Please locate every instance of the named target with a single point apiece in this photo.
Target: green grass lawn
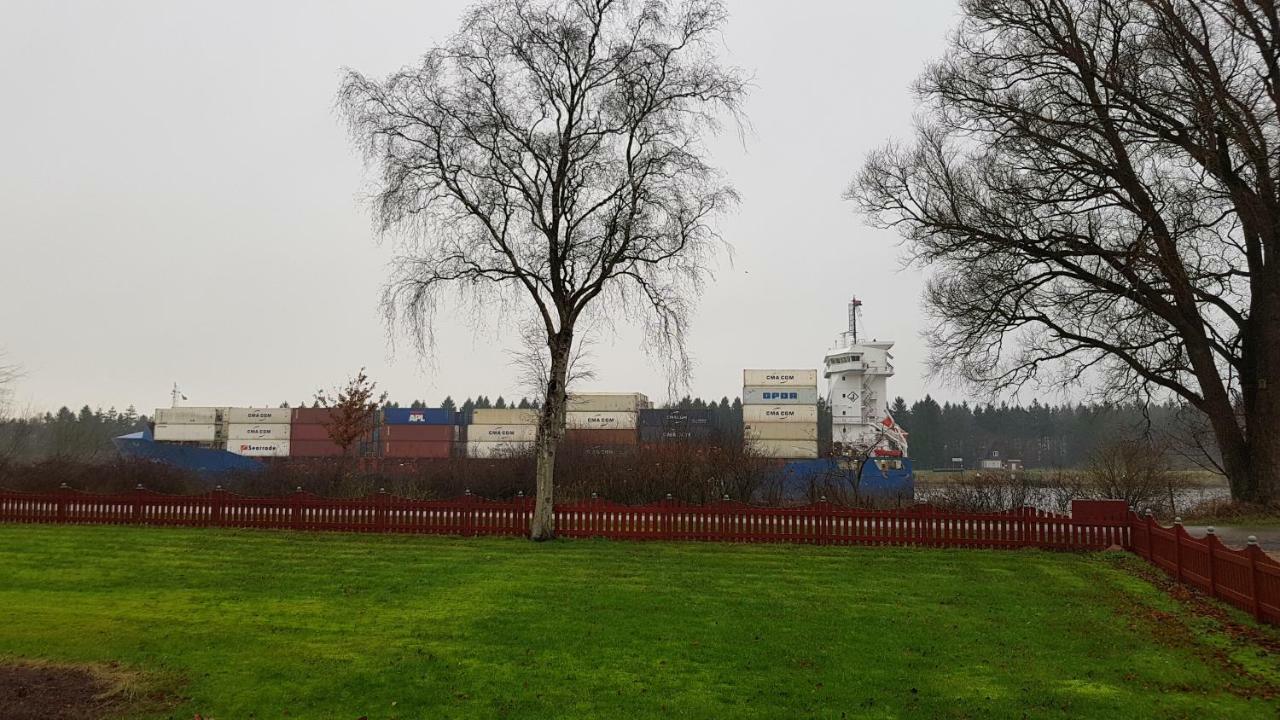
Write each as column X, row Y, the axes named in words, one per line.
column 276, row 625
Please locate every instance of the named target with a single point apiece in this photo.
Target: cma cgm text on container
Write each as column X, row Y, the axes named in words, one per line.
column 773, row 378
column 259, row 416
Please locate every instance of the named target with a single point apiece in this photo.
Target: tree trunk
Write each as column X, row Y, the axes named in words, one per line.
column 550, row 431
column 1260, row 481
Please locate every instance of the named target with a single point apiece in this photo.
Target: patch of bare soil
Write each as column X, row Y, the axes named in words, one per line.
column 44, row 691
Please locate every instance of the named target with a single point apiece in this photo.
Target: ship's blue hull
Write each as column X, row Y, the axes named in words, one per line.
column 206, row 461
column 800, row 479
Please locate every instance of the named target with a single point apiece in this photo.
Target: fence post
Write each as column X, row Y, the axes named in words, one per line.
column 1210, row 541
column 380, row 511
column 468, row 515
column 218, row 502
column 63, row 491
column 295, row 509
column 137, row 505
column 1177, row 547
column 1149, row 520
column 1255, row 587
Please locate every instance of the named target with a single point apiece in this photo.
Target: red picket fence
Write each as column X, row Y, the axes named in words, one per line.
column 1247, row 578
column 821, row 523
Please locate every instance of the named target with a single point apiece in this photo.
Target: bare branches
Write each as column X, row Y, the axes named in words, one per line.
column 552, row 150
column 1095, row 184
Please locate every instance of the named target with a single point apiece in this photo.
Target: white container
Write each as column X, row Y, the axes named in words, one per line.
column 497, row 449
column 502, row 433
column 182, row 432
column 259, row 448
column 259, row 416
column 780, row 378
column 186, row 416
column 607, row 402
column 504, row 417
column 780, row 431
column 791, row 449
column 258, row 432
column 600, row 420
column 779, row 395
column 779, row 413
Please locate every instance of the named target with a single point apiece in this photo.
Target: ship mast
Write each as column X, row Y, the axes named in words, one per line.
column 855, row 309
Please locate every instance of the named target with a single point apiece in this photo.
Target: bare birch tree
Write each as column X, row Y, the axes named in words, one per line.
column 551, row 156
column 1097, row 185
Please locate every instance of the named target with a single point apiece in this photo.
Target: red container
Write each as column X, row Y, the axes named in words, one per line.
column 600, row 437
column 418, row 433
column 305, row 432
column 314, row 448
column 310, row 416
column 416, row 449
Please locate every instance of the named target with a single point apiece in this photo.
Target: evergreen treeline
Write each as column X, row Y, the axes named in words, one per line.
column 1041, row 436
column 66, row 435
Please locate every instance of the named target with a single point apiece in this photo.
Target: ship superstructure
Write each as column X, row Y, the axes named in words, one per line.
column 857, row 371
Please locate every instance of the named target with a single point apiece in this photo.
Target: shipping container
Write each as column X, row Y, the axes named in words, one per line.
column 187, row 416
column 259, row 448
column 412, row 449
column 775, row 378
column 258, row 432
column 314, row 448
column 497, row 449
column 674, row 418
column 600, row 437
column 792, row 449
column 308, row 431
column 504, row 417
column 258, row 416
column 607, row 402
column 779, row 413
column 691, row 433
column 502, row 433
column 600, row 420
column 417, row 416
column 780, row 431
column 182, row 432
column 311, row 416
column 419, row 433
column 779, row 395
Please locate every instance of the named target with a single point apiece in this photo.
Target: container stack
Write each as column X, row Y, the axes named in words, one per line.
column 501, row 433
column 189, row 425
column 604, row 421
column 673, row 425
column 417, row 433
column 309, row 434
column 259, row 432
column 780, row 412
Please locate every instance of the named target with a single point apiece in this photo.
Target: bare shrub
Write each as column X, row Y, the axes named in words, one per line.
column 117, row 476
column 987, row 491
column 1136, row 471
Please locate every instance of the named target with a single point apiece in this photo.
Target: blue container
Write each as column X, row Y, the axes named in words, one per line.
column 417, row 416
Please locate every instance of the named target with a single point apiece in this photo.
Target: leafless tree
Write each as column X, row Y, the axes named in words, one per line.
column 1097, row 185
column 550, row 157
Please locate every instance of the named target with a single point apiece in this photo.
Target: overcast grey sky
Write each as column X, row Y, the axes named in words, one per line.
column 178, row 202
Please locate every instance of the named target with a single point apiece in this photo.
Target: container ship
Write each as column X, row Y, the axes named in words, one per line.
column 780, row 420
